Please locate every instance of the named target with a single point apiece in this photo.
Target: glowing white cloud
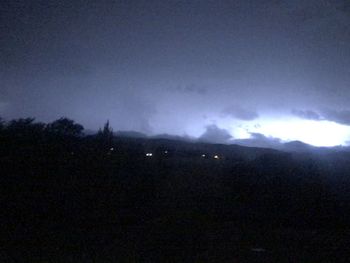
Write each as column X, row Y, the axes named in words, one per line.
column 317, row 133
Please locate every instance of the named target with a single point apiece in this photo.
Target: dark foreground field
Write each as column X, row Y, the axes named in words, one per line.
column 92, row 199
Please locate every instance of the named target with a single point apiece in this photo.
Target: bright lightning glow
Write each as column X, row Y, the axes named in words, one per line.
column 284, row 127
column 317, row 133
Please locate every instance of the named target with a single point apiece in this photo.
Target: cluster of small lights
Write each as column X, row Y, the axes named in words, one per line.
column 215, row 156
column 149, row 154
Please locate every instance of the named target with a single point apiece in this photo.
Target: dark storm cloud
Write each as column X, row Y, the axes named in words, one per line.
column 214, row 134
column 259, row 140
column 192, row 88
column 306, row 114
column 80, row 58
column 240, row 113
column 4, row 106
column 338, row 116
column 344, row 7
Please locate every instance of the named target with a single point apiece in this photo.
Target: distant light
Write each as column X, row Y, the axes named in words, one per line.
column 165, row 152
column 112, row 149
column 149, row 154
column 203, row 155
column 216, row 157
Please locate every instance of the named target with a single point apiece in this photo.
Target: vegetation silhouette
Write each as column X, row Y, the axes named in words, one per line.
column 105, row 135
column 65, row 127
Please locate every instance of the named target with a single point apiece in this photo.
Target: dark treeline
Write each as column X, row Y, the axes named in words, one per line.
column 70, row 197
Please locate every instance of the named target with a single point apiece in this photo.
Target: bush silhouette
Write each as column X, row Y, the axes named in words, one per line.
column 24, row 127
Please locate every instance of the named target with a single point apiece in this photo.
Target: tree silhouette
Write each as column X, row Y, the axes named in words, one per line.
column 105, row 134
column 65, row 127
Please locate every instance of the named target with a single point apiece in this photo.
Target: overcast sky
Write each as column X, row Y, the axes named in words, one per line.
column 181, row 67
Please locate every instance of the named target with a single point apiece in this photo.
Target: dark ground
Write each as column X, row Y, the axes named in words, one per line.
column 68, row 198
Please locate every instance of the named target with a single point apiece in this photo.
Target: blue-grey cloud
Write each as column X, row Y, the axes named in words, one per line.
column 338, row 116
column 214, row 134
column 259, row 140
column 307, row 114
column 240, row 113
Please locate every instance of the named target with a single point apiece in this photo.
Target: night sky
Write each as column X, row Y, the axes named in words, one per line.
column 218, row 70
